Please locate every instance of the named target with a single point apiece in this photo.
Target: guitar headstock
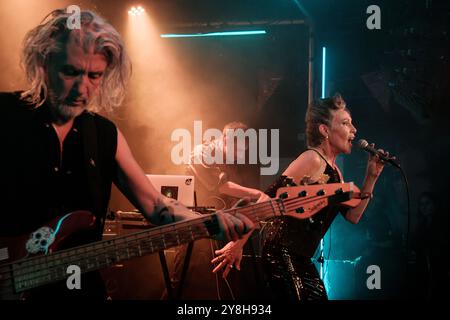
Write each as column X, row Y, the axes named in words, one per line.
column 302, row 202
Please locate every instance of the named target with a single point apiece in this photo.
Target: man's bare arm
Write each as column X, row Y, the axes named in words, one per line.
column 132, row 181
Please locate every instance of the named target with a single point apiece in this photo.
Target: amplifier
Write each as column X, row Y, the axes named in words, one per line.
column 124, row 222
column 143, row 277
column 139, row 278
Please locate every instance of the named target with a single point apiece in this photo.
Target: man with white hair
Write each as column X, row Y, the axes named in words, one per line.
column 59, row 155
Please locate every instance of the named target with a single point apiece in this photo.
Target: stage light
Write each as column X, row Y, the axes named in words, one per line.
column 136, row 11
column 214, row 34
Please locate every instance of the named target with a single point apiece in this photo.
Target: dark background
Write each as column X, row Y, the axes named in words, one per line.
column 395, row 82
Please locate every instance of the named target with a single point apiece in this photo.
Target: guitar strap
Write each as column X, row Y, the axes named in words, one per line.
column 90, row 155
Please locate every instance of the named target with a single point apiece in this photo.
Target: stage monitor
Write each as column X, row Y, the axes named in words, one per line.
column 178, row 187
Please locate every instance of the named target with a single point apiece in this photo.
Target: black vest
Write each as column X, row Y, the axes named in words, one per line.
column 40, row 183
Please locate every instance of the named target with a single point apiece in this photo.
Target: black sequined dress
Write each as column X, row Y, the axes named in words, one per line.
column 290, row 244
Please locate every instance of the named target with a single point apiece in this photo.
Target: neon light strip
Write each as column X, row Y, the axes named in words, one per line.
column 324, row 63
column 214, row 34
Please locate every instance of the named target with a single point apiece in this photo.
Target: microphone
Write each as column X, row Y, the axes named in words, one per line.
column 363, row 144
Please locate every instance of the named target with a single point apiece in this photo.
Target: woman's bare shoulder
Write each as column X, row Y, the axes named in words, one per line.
column 306, row 163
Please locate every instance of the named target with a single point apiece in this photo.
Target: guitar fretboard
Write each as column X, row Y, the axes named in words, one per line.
column 41, row 270
column 32, row 272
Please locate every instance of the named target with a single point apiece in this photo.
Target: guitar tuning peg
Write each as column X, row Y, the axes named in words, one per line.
column 300, row 210
column 283, row 195
column 302, row 194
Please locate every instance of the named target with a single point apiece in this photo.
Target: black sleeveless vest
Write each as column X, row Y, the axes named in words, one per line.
column 40, row 183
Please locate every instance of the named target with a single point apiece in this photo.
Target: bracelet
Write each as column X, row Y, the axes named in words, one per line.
column 366, row 195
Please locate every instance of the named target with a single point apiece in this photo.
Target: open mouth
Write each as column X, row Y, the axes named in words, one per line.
column 350, row 141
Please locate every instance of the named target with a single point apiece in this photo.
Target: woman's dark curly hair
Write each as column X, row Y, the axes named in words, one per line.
column 320, row 112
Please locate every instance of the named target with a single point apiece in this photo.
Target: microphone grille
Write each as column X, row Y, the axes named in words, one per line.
column 362, row 143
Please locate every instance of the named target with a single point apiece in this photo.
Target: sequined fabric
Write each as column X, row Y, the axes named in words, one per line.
column 292, row 277
column 289, row 245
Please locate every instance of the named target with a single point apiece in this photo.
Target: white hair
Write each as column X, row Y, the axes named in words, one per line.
column 51, row 37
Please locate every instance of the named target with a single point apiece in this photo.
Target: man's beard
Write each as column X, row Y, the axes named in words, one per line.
column 66, row 113
column 62, row 112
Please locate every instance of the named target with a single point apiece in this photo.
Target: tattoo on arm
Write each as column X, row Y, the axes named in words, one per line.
column 170, row 210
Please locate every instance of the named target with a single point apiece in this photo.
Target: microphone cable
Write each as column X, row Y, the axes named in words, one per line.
column 408, row 217
column 363, row 144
